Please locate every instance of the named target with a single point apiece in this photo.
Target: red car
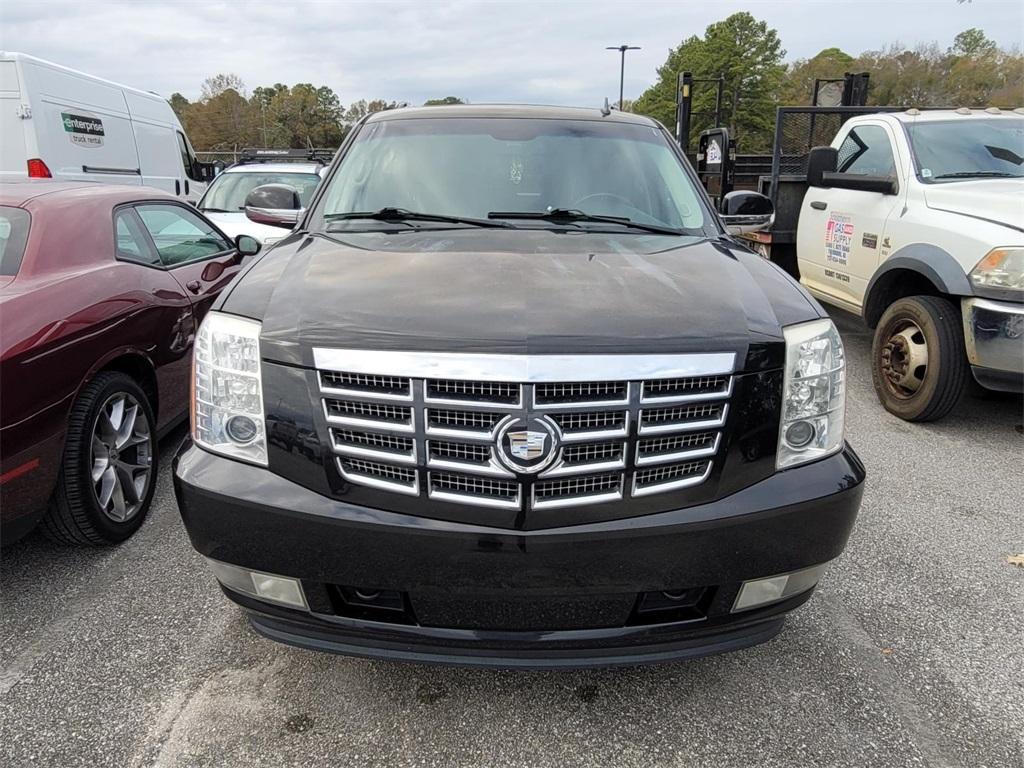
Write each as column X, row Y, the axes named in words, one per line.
column 101, row 291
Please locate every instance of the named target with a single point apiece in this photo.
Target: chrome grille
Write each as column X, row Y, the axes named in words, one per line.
column 472, row 453
column 448, row 486
column 379, row 474
column 473, row 391
column 692, row 388
column 669, row 477
column 581, row 392
column 588, row 453
column 373, row 444
column 465, row 421
column 653, row 430
column 575, row 490
column 392, row 386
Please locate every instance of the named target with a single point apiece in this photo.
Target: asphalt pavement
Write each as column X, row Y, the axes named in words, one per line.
column 910, row 653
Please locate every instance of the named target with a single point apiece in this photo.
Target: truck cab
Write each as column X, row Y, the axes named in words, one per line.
column 914, row 220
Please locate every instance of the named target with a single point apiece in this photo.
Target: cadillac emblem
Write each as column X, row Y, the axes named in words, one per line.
column 526, row 445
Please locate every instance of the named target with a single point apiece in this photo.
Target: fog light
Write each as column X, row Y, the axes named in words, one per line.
column 265, row 586
column 799, row 433
column 775, row 588
column 241, row 429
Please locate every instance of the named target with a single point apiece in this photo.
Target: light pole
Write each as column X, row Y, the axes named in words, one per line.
column 622, row 69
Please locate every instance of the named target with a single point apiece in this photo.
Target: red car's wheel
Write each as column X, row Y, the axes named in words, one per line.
column 109, row 467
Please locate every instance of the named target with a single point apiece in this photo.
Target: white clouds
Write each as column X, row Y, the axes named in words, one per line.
column 486, row 51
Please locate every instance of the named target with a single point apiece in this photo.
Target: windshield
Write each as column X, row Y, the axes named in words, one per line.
column 972, row 147
column 228, row 191
column 473, row 167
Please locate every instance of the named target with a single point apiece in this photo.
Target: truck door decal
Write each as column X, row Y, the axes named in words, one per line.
column 838, row 237
column 83, row 130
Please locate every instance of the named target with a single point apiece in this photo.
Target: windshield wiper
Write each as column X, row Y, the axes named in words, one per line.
column 214, row 210
column 978, row 175
column 571, row 216
column 401, row 214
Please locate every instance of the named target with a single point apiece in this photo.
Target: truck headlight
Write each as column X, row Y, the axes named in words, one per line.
column 813, row 394
column 227, row 401
column 1001, row 268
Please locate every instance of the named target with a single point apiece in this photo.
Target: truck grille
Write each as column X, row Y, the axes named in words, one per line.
column 655, row 429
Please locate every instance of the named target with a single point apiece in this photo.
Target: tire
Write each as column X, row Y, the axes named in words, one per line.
column 918, row 361
column 123, row 451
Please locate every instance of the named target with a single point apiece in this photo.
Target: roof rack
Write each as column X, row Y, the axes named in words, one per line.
column 321, row 155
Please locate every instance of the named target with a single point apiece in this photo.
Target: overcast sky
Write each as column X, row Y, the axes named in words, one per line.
column 551, row 52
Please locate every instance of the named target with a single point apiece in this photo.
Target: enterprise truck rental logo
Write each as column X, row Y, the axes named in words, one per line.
column 84, row 130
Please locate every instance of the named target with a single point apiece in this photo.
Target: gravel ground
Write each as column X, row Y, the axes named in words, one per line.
column 911, row 652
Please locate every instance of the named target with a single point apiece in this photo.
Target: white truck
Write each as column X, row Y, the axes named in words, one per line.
column 915, row 221
column 58, row 123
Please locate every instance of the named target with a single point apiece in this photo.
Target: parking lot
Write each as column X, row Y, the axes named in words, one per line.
column 909, row 653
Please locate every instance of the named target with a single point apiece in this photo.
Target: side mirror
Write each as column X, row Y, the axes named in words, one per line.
column 275, row 204
column 821, row 160
column 745, row 211
column 205, row 171
column 247, row 245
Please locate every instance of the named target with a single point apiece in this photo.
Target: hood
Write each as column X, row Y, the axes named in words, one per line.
column 1000, row 201
column 515, row 292
column 235, row 224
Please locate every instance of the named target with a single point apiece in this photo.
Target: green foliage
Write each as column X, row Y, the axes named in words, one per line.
column 443, row 102
column 828, row 64
column 973, row 72
column 302, row 115
column 745, row 52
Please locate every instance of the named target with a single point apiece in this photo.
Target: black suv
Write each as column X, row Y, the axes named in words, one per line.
column 511, row 395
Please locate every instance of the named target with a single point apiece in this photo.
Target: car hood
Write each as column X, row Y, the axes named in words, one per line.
column 1000, row 201
column 515, row 292
column 235, row 224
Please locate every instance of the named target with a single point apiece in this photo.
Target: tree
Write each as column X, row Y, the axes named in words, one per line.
column 974, row 44
column 443, row 102
column 301, row 116
column 357, row 110
column 748, row 55
column 828, row 64
column 180, row 106
column 216, row 85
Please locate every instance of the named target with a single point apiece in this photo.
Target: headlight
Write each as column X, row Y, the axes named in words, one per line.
column 813, row 394
column 1001, row 268
column 227, row 404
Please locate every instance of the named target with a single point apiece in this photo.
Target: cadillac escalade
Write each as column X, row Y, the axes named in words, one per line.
column 510, row 394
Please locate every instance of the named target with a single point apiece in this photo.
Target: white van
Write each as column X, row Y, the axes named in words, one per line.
column 62, row 124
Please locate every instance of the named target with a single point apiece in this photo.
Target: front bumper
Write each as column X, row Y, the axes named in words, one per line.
column 994, row 336
column 472, row 594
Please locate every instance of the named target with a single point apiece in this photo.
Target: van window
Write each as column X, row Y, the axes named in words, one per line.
column 181, row 236
column 14, row 223
column 188, row 157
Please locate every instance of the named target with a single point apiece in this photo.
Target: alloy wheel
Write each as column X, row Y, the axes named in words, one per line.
column 121, row 457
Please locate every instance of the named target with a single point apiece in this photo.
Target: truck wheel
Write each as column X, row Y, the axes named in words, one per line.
column 108, row 471
column 918, row 362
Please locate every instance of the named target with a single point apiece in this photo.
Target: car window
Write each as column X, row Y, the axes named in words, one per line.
column 228, row 191
column 867, row 150
column 132, row 243
column 180, row 236
column 14, row 224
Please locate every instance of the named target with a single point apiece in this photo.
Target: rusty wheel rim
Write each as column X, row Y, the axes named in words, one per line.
column 904, row 359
